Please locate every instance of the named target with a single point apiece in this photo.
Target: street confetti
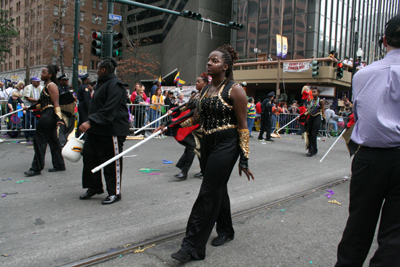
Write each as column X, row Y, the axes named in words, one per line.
column 330, row 193
column 148, row 170
column 4, row 195
column 143, row 249
column 335, row 202
column 283, row 210
column 6, row 179
column 167, row 161
column 23, row 181
column 5, row 255
column 345, row 178
column 154, row 173
column 111, row 250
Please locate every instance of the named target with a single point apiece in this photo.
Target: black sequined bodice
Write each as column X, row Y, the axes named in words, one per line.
column 45, row 100
column 216, row 112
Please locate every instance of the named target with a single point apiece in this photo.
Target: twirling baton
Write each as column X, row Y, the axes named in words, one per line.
column 151, row 123
column 286, row 124
column 126, row 151
column 337, row 139
column 15, row 111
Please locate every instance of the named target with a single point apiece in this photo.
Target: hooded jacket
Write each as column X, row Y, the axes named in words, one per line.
column 108, row 113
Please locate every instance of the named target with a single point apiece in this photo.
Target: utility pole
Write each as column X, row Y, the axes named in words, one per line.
column 76, row 47
column 354, row 63
column 278, row 90
column 109, row 32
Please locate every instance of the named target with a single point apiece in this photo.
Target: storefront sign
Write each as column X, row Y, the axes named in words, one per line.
column 296, row 66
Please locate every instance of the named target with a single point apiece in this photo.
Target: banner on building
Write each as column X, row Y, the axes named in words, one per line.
column 279, row 45
column 82, row 70
column 284, row 46
column 296, row 66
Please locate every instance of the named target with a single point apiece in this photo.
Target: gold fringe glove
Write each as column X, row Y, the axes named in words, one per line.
column 187, row 123
column 244, row 138
column 57, row 110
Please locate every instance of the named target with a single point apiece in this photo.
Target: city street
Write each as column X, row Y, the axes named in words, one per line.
column 43, row 222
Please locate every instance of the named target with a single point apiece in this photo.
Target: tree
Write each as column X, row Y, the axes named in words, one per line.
column 135, row 62
column 7, row 32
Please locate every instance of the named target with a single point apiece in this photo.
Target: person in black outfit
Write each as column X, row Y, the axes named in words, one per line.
column 266, row 117
column 84, row 99
column 315, row 110
column 170, row 104
column 67, row 102
column 222, row 112
column 46, row 129
column 106, row 130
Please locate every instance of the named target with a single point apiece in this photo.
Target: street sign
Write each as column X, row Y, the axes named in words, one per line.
column 115, row 17
column 114, row 22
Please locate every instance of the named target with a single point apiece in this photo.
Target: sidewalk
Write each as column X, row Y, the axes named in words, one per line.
column 304, row 232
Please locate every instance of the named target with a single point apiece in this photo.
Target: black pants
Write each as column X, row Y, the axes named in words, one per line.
column 375, row 181
column 186, row 160
column 97, row 150
column 46, row 132
column 314, row 123
column 266, row 126
column 219, row 153
column 83, row 116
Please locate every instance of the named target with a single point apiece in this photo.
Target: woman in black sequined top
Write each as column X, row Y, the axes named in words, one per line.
column 46, row 128
column 222, row 114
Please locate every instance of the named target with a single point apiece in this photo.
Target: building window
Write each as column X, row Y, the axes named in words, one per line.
column 10, row 65
column 80, row 62
column 94, row 4
column 5, row 67
column 63, row 29
column 17, row 64
column 80, row 48
column 82, row 2
column 55, row 10
column 17, row 51
column 81, row 32
column 1, row 67
column 18, row 21
column 82, row 16
column 11, row 11
column 94, row 17
column 18, row 6
column 99, row 19
column 92, row 64
column 100, row 4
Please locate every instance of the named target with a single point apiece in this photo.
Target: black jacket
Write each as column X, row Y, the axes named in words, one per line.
column 266, row 108
column 108, row 113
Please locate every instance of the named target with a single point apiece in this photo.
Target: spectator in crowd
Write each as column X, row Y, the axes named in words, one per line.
column 180, row 101
column 251, row 115
column 13, row 103
column 276, row 110
column 8, row 91
column 156, row 84
column 140, row 111
column 306, row 94
column 31, row 94
column 330, row 119
column 157, row 100
column 346, row 60
column 20, row 87
column 285, row 109
column 294, row 108
column 258, row 108
column 168, row 100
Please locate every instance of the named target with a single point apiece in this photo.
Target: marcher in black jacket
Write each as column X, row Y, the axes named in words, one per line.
column 106, row 130
column 84, row 101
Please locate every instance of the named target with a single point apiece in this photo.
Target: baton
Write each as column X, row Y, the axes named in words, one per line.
column 163, row 116
column 286, row 124
column 15, row 111
column 126, row 151
column 337, row 139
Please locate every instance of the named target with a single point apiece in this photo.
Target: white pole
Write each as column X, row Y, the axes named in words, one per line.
column 15, row 111
column 337, row 139
column 151, row 123
column 287, row 124
column 126, row 151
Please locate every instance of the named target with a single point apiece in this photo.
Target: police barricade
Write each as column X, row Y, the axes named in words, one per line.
column 14, row 124
column 284, row 118
column 141, row 115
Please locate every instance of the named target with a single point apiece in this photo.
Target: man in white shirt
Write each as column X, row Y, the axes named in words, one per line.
column 9, row 90
column 31, row 95
column 330, row 115
column 346, row 60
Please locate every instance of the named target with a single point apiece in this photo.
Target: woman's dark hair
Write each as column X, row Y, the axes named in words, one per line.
column 250, row 99
column 109, row 64
column 53, row 69
column 229, row 55
column 204, row 77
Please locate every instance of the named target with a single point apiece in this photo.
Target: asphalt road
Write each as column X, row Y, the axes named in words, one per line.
column 45, row 224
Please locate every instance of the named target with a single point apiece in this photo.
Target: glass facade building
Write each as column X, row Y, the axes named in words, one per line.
column 313, row 28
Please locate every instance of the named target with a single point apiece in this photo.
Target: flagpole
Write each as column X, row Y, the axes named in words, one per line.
column 337, row 139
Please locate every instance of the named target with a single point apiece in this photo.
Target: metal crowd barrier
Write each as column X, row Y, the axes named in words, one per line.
column 22, row 121
column 141, row 115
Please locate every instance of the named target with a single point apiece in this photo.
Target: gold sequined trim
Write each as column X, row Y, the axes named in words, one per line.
column 58, row 112
column 316, row 114
column 187, row 123
column 182, row 109
column 225, row 127
column 48, row 106
column 222, row 100
column 244, row 138
column 230, row 90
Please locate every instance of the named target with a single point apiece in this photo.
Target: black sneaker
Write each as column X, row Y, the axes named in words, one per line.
column 220, row 240
column 182, row 256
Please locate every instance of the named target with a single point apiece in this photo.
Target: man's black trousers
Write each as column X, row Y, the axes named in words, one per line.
column 266, row 126
column 374, row 191
column 97, row 150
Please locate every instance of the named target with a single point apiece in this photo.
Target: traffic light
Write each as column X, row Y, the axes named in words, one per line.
column 117, row 44
column 235, row 25
column 191, row 15
column 339, row 71
column 97, row 44
column 315, row 68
